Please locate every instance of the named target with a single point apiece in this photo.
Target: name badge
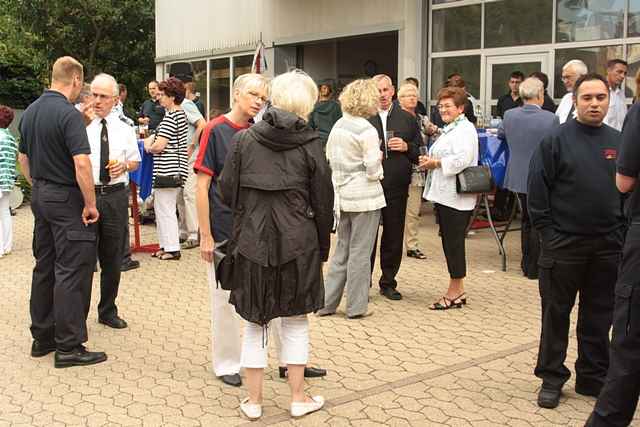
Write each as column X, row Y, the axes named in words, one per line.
column 610, row 153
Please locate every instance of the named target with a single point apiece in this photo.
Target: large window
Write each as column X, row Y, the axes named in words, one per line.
column 634, row 18
column 467, row 66
column 533, row 24
column 594, row 57
column 199, row 70
column 633, row 58
column 457, row 28
column 219, row 86
column 582, row 20
column 242, row 65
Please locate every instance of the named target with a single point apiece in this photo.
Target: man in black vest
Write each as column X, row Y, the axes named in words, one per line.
column 577, row 210
column 400, row 138
column 618, row 399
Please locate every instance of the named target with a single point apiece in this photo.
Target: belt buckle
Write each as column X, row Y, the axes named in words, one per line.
column 102, row 190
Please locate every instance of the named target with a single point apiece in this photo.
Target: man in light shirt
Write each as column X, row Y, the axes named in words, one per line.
column 571, row 72
column 616, row 73
column 114, row 152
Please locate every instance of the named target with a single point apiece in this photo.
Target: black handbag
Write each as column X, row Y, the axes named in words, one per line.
column 168, row 181
column 474, row 179
column 224, row 263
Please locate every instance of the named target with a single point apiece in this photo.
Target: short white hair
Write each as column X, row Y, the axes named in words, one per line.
column 246, row 82
column 109, row 79
column 295, row 92
column 531, row 88
column 579, row 67
column 379, row 77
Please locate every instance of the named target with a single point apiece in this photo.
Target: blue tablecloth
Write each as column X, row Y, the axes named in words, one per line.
column 494, row 153
column 143, row 176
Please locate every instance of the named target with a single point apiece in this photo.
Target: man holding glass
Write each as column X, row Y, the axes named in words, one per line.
column 114, row 152
column 400, row 138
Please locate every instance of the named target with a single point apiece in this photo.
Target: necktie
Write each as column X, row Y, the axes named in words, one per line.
column 104, row 153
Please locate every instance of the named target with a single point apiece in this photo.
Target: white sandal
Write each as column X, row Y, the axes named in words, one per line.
column 300, row 409
column 253, row 411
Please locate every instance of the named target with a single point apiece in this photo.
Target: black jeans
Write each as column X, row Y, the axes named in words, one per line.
column 453, row 225
column 392, row 241
column 112, row 227
column 570, row 265
column 529, row 242
column 65, row 253
column 618, row 399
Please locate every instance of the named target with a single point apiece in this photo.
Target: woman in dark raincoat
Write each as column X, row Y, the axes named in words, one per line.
column 278, row 184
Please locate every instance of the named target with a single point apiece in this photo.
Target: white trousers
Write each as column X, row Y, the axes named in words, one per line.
column 226, row 329
column 294, row 334
column 187, row 208
column 6, row 226
column 164, row 204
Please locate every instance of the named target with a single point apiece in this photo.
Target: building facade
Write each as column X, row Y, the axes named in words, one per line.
column 338, row 41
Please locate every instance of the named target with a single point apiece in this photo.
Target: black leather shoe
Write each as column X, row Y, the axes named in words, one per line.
column 309, row 372
column 234, row 380
column 416, row 253
column 115, row 322
column 548, row 397
column 79, row 356
column 42, row 348
column 391, row 293
column 132, row 264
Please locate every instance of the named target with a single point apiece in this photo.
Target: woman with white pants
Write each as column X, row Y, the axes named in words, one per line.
column 169, row 148
column 8, row 153
column 278, row 184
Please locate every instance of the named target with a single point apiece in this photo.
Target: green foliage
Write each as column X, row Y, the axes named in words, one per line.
column 111, row 36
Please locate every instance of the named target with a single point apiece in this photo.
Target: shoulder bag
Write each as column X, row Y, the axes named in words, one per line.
column 473, row 180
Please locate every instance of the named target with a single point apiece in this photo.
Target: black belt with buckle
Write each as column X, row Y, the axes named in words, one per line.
column 106, row 189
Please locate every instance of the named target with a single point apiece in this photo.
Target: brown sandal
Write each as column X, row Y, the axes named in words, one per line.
column 170, row 256
column 157, row 254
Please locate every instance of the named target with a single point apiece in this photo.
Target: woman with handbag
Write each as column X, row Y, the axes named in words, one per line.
column 278, row 183
column 455, row 150
column 169, row 149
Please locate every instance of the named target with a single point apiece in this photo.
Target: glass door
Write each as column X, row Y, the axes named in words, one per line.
column 498, row 70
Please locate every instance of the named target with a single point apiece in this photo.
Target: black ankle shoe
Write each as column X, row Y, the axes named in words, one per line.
column 115, row 322
column 549, row 397
column 391, row 293
column 42, row 348
column 309, row 372
column 79, row 356
column 234, row 380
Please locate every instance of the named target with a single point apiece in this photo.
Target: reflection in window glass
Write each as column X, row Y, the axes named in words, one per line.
column 456, row 28
column 581, row 20
column 467, row 66
column 219, row 87
column 634, row 18
column 633, row 58
column 199, row 69
column 241, row 65
column 502, row 30
column 444, row 1
column 595, row 57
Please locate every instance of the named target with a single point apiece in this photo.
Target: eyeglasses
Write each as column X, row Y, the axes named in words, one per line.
column 257, row 96
column 567, row 76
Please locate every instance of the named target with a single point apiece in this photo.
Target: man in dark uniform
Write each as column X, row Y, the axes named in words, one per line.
column 511, row 99
column 54, row 155
column 619, row 396
column 151, row 112
column 577, row 210
column 399, row 151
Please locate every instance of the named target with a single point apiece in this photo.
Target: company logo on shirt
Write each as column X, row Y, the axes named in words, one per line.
column 610, row 153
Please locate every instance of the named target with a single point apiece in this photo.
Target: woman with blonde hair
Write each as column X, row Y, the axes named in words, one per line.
column 277, row 182
column 354, row 155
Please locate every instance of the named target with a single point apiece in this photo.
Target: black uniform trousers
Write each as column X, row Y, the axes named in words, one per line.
column 529, row 242
column 572, row 264
column 126, row 242
column 112, row 228
column 618, row 399
column 65, row 253
column 391, row 242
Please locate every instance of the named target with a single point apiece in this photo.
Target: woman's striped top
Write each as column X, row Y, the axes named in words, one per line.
column 173, row 159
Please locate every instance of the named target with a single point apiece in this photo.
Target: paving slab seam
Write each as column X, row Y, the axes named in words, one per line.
column 413, row 379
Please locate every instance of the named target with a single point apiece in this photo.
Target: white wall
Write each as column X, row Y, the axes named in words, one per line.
column 201, row 28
